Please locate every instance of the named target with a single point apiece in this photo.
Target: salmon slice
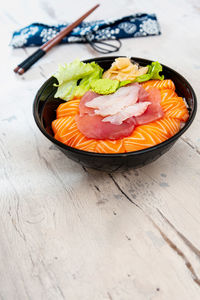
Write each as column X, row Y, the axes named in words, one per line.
column 66, row 131
column 82, row 143
column 69, row 108
column 59, row 124
column 159, row 84
column 108, row 146
column 149, row 135
column 167, row 94
column 165, row 127
column 175, row 108
column 64, row 128
column 140, row 139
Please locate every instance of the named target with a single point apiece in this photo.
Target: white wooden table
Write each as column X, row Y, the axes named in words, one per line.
column 70, row 233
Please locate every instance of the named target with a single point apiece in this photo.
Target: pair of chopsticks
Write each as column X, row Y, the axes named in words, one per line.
column 27, row 63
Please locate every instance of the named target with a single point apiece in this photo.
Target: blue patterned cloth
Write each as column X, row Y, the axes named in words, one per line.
column 136, row 25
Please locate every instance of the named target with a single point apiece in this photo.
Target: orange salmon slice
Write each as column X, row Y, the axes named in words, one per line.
column 69, row 108
column 159, row 84
column 108, row 146
column 149, row 135
column 167, row 94
column 175, row 108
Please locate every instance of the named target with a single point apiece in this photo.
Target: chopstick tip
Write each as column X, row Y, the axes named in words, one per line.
column 21, row 71
column 16, row 69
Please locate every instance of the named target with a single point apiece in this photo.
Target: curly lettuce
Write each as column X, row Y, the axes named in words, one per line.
column 74, row 79
column 153, row 73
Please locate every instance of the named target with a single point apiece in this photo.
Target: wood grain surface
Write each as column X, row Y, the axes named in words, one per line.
column 72, row 233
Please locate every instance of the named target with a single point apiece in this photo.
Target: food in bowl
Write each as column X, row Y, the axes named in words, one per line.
column 123, row 109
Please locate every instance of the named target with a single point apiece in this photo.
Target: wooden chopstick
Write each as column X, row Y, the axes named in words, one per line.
column 28, row 62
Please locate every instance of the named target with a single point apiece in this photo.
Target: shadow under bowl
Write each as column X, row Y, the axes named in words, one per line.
column 44, row 111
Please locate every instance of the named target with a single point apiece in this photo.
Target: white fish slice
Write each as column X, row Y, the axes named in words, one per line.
column 127, row 112
column 114, row 103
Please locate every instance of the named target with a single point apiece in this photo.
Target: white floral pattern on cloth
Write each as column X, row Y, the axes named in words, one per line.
column 106, row 34
column 149, row 27
column 18, row 41
column 48, row 34
column 127, row 27
column 21, row 39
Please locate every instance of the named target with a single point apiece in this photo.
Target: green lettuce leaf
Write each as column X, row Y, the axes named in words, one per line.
column 153, row 73
column 86, row 83
column 124, row 82
column 74, row 79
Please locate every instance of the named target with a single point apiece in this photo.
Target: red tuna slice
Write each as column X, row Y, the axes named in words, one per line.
column 93, row 127
column 154, row 110
column 88, row 96
column 143, row 95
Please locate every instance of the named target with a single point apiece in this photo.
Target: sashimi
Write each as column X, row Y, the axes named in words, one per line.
column 78, row 126
column 154, row 110
column 149, row 135
column 159, row 84
column 143, row 94
column 65, row 128
column 175, row 107
column 93, row 127
column 127, row 112
column 119, row 106
column 167, row 94
column 129, row 106
column 108, row 146
column 83, row 109
column 114, row 103
column 69, row 108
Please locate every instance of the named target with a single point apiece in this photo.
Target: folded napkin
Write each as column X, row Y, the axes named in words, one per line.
column 136, row 25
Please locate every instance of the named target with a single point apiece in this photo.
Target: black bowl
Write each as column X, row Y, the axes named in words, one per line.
column 44, row 111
